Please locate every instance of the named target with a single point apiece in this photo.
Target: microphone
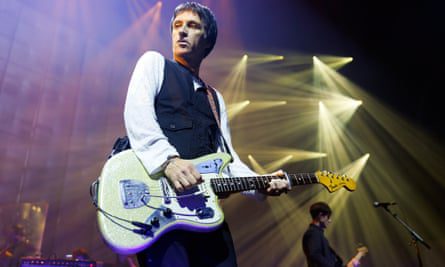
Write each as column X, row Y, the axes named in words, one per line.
column 383, row 204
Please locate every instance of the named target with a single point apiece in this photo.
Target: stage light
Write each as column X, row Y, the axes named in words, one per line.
column 258, row 58
column 333, row 62
column 262, row 105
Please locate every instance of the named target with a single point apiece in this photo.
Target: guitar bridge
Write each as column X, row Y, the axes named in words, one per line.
column 134, row 194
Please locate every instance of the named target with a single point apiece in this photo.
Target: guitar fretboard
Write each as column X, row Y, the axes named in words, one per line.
column 239, row 184
column 303, row 178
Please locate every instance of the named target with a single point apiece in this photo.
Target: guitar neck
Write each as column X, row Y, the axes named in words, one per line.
column 359, row 255
column 224, row 186
column 355, row 261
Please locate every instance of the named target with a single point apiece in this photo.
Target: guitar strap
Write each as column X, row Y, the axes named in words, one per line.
column 213, row 105
column 225, row 147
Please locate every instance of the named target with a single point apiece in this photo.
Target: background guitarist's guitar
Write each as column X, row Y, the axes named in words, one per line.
column 134, row 209
column 355, row 261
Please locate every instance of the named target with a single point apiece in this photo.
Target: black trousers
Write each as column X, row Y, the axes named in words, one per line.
column 180, row 248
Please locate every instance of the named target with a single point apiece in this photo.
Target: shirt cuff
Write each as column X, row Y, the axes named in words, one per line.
column 161, row 168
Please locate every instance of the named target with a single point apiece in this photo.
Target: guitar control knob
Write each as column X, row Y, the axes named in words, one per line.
column 167, row 213
column 154, row 221
column 205, row 213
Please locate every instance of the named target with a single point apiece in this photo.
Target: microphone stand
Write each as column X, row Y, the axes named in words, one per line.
column 414, row 236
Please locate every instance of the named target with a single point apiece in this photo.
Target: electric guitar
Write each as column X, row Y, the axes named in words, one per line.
column 355, row 261
column 134, row 209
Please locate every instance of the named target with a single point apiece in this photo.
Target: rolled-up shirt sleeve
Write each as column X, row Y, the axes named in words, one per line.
column 146, row 137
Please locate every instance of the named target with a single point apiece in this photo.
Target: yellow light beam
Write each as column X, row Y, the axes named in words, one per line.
column 234, row 109
column 262, row 105
column 257, row 58
column 335, row 62
column 235, row 83
column 355, row 168
column 266, row 153
column 256, row 166
column 332, row 140
column 275, row 165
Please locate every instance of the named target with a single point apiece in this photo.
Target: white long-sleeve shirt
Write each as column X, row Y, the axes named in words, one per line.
column 146, row 137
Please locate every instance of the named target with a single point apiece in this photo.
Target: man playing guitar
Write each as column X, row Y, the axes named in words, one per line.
column 316, row 246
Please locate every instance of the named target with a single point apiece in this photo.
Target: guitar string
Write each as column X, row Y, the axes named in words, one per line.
column 108, row 214
column 180, row 196
column 145, row 226
column 177, row 213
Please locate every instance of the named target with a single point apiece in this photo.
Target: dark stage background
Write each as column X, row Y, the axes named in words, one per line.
column 65, row 68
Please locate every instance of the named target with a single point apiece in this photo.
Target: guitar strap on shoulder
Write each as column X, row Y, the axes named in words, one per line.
column 121, row 144
column 225, row 147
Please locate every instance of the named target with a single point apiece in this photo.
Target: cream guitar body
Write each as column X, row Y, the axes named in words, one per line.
column 134, row 209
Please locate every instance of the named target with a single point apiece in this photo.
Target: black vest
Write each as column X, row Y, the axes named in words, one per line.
column 185, row 115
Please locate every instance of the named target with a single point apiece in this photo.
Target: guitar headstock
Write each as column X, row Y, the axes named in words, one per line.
column 334, row 182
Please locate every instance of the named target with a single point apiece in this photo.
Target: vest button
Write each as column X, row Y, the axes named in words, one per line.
column 172, row 126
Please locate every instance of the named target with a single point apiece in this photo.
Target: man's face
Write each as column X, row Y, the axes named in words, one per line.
column 325, row 220
column 188, row 36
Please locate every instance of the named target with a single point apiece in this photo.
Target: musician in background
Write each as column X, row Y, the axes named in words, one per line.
column 315, row 245
column 172, row 116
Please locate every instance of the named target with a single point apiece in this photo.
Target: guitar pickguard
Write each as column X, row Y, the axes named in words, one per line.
column 136, row 209
column 210, row 166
